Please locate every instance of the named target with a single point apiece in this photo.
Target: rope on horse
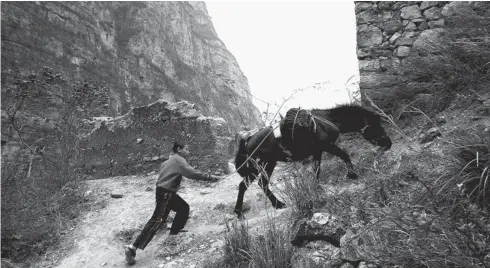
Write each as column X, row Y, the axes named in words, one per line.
column 326, row 121
column 313, row 117
column 314, row 123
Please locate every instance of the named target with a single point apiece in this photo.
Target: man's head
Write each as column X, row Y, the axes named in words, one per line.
column 181, row 149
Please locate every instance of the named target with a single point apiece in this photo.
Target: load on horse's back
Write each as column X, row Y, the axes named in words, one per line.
column 298, row 133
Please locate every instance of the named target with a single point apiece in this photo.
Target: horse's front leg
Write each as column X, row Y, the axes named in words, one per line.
column 265, row 174
column 241, row 193
column 335, row 150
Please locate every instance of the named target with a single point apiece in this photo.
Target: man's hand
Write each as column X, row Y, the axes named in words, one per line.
column 215, row 178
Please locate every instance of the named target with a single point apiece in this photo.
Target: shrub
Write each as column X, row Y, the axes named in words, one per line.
column 40, row 190
column 470, row 169
column 269, row 249
column 303, row 190
column 273, row 248
column 237, row 244
column 236, row 250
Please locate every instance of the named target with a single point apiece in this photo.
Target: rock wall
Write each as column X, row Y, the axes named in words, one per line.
column 142, row 139
column 133, row 53
column 389, row 34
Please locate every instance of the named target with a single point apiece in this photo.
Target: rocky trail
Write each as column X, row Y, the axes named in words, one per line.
column 98, row 238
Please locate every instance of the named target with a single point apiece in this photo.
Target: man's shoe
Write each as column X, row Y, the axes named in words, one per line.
column 174, row 233
column 130, row 254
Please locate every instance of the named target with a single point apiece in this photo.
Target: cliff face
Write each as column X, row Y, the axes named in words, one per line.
column 129, row 53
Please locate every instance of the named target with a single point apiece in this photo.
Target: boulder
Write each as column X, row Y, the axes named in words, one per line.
column 362, row 6
column 392, row 26
column 367, row 16
column 385, row 5
column 452, row 7
column 394, row 37
column 411, row 26
column 368, row 36
column 322, row 226
column 427, row 4
column 423, row 26
column 411, row 12
column 433, row 13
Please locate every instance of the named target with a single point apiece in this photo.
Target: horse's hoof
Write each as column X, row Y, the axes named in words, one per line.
column 280, row 205
column 239, row 214
column 352, row 175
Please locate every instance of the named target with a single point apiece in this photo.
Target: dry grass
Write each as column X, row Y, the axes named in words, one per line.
column 473, row 155
column 272, row 248
column 269, row 249
column 303, row 191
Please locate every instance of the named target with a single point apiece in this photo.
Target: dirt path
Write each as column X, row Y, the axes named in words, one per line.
column 98, row 239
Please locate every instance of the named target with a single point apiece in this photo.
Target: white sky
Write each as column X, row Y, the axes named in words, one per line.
column 283, row 46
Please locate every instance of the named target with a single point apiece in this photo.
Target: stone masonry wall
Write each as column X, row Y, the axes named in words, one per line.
column 142, row 139
column 390, row 33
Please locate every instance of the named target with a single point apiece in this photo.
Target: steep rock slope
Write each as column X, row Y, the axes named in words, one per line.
column 135, row 52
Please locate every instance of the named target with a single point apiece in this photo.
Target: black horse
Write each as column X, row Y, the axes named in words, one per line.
column 260, row 152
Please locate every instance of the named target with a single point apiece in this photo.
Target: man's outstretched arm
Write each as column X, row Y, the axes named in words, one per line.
column 189, row 172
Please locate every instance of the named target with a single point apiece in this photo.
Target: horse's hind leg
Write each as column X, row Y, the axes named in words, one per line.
column 241, row 193
column 264, row 184
column 335, row 150
column 317, row 158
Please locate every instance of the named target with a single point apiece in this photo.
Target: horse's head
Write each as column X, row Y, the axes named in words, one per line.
column 375, row 133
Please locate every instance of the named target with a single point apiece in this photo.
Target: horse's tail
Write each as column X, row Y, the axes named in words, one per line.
column 241, row 157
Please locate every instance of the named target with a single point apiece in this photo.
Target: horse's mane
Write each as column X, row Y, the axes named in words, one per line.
column 342, row 109
column 347, row 110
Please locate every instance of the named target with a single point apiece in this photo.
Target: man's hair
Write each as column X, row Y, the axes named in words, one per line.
column 177, row 145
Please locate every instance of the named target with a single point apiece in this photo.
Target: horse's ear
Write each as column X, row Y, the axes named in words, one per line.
column 282, row 117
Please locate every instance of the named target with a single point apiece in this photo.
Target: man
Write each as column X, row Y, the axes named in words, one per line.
column 168, row 183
